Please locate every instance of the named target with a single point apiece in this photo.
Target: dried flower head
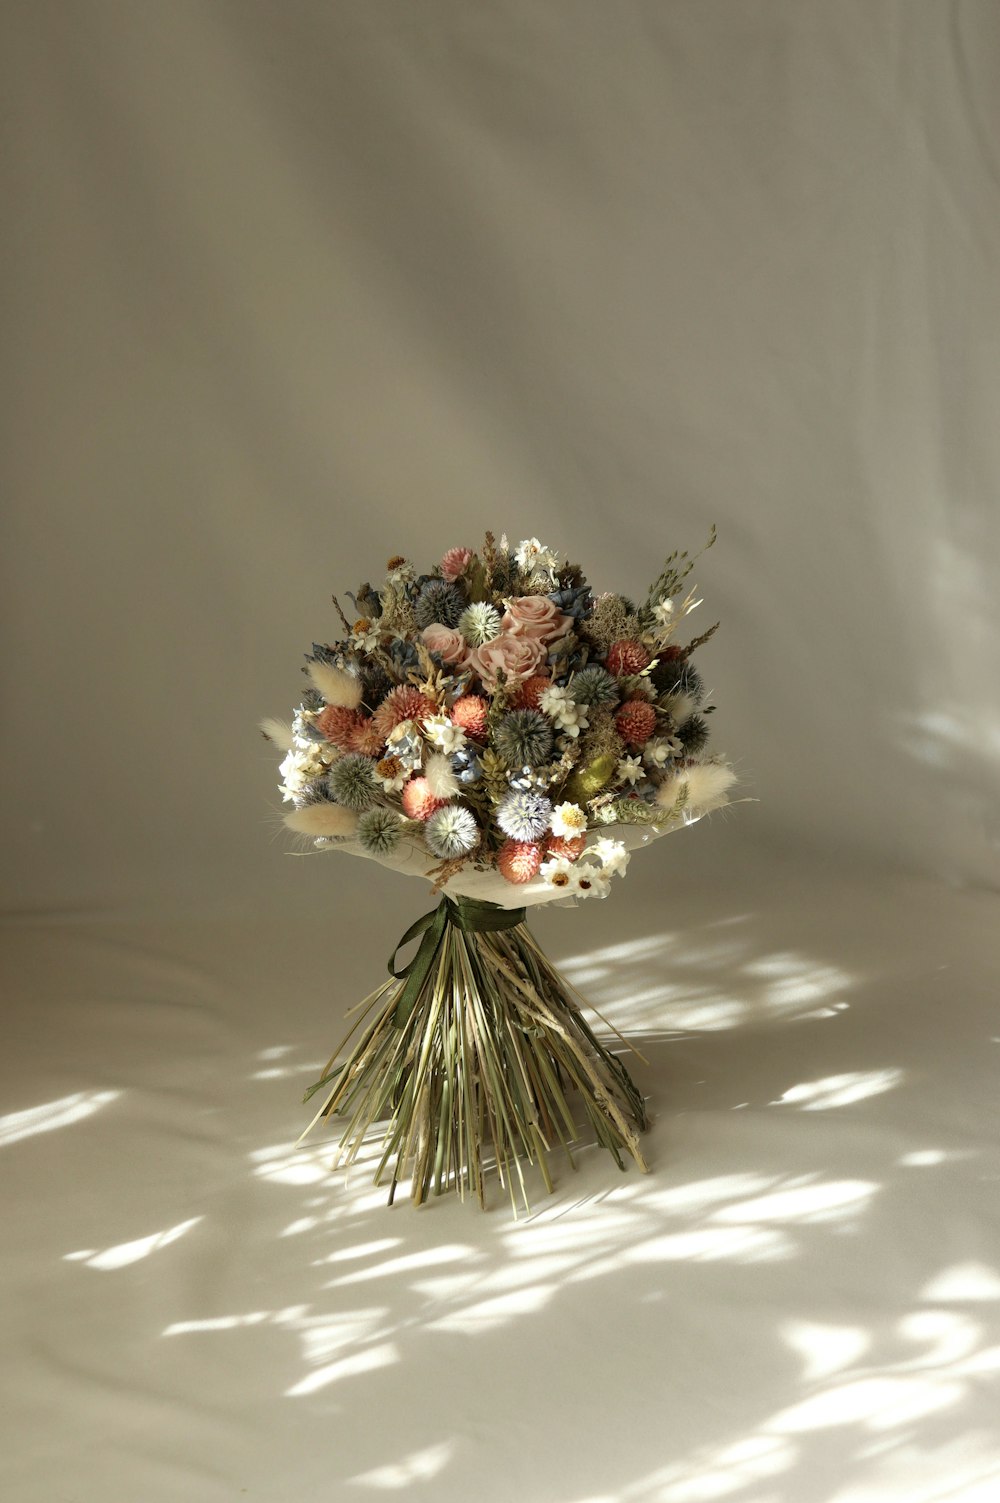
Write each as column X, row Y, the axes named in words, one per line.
column 451, row 831
column 523, row 738
column 351, row 783
column 379, row 830
column 519, row 860
column 438, row 601
column 524, row 815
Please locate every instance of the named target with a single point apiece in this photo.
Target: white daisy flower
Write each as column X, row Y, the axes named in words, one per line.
column 300, row 767
column 392, row 784
column 557, row 872
column 568, row 820
column 589, row 881
column 366, row 634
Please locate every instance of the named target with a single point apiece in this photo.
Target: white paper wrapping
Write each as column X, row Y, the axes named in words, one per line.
column 410, row 860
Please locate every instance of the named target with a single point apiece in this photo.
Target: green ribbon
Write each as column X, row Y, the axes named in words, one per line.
column 471, row 915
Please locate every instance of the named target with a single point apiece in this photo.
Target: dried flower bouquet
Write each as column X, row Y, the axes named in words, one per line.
column 498, row 728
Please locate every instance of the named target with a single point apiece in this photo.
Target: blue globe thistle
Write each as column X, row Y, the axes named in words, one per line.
column 438, row 602
column 378, row 830
column 524, row 816
column 479, row 623
column 594, row 685
column 523, row 738
column 351, row 783
column 451, row 831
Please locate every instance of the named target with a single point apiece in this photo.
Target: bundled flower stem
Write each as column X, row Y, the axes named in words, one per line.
column 490, row 1058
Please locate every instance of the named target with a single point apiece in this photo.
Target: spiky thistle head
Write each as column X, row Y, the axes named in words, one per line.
column 524, row 815
column 594, row 685
column 440, row 602
column 379, row 830
column 693, row 735
column 479, row 623
column 351, row 783
column 677, row 676
column 452, row 831
column 523, row 738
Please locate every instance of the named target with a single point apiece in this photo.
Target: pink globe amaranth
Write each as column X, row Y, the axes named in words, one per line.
column 518, row 658
column 527, row 695
column 519, row 860
column 627, row 657
column 635, row 722
column 570, row 847
column 535, row 616
column 470, row 714
column 418, row 800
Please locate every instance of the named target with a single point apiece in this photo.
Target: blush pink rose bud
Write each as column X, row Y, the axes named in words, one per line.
column 450, row 645
column 537, row 617
column 518, row 658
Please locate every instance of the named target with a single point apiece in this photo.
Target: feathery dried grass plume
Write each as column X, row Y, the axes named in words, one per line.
column 336, row 686
column 278, row 732
column 323, row 819
column 707, row 783
column 441, row 779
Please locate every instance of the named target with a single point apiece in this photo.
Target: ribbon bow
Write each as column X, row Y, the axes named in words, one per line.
column 471, row 915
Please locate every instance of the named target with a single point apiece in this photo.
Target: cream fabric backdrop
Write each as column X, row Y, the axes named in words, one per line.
column 291, row 287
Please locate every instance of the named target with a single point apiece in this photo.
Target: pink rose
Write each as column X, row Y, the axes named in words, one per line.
column 536, row 617
column 517, row 658
column 450, row 645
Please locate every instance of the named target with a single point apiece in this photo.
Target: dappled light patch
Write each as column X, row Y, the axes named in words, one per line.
column 124, row 1253
column 834, row 1091
column 418, row 1466
column 67, row 1111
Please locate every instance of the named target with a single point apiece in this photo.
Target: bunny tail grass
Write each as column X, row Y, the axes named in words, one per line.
column 480, row 1073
